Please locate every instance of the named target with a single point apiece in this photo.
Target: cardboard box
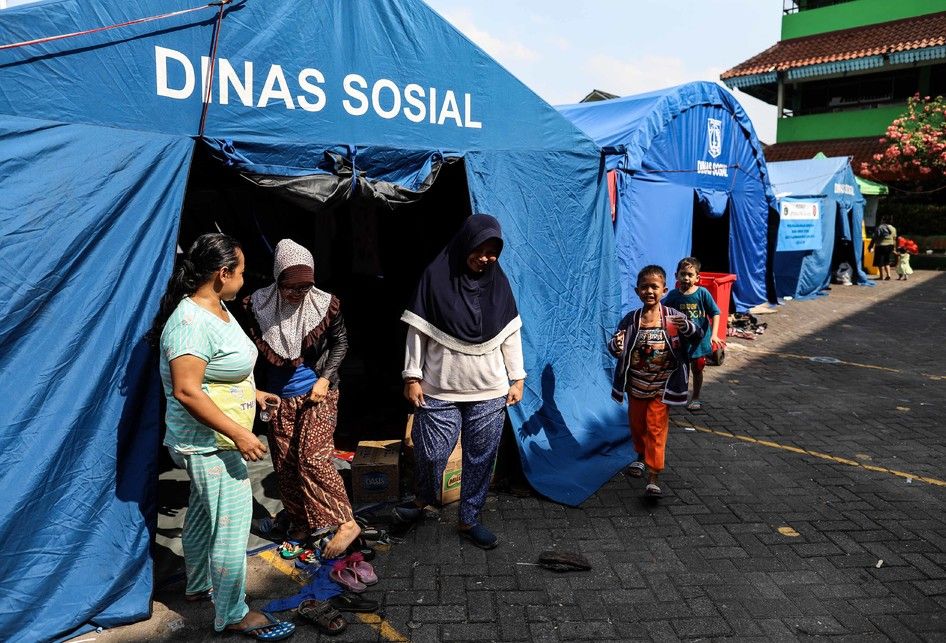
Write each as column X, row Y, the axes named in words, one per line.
column 374, row 471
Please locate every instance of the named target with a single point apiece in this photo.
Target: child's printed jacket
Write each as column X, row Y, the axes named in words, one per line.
column 675, row 391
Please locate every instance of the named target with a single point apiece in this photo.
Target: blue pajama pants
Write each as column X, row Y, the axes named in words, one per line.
column 437, row 426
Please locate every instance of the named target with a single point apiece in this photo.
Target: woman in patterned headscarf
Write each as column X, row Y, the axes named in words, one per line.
column 300, row 333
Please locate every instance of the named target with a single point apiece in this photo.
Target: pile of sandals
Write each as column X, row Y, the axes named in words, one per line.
column 745, row 326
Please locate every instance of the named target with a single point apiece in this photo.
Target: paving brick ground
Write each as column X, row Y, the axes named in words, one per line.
column 841, row 453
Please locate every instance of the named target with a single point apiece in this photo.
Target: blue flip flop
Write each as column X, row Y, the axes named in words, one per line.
column 275, row 630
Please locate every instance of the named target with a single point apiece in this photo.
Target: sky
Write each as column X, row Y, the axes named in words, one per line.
column 563, row 50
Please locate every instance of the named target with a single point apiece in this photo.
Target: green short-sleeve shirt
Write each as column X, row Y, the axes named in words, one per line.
column 230, row 357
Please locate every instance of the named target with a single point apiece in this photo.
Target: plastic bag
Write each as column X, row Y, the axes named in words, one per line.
column 844, row 274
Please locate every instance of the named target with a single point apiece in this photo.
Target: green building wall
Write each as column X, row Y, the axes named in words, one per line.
column 816, row 127
column 856, row 13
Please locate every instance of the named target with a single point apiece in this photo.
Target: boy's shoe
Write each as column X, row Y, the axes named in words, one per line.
column 694, row 405
column 652, row 490
column 636, row 469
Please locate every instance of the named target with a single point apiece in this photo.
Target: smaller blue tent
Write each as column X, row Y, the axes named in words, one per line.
column 691, row 179
column 822, row 210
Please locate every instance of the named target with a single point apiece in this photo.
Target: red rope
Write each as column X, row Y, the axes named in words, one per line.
column 39, row 41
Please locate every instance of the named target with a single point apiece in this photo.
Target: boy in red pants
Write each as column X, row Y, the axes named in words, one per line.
column 652, row 347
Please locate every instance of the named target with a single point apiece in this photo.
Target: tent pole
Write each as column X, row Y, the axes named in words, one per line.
column 210, row 68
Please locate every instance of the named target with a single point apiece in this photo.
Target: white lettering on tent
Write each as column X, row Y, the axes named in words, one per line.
column 315, row 90
column 205, row 78
column 395, row 108
column 275, row 77
column 161, row 56
column 450, row 109
column 420, row 103
column 348, row 85
column 469, row 122
column 844, row 188
column 413, row 94
column 229, row 78
column 711, row 168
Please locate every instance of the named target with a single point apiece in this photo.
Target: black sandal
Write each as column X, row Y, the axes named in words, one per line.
column 348, row 602
column 321, row 614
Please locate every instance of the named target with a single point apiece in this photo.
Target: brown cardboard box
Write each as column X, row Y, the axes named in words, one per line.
column 450, row 484
column 374, row 471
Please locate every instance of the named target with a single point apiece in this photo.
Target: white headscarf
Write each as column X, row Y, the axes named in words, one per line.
column 284, row 326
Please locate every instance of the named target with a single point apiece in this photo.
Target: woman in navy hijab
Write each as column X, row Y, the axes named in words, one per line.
column 463, row 367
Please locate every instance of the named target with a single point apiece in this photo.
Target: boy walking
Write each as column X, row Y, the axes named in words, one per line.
column 697, row 303
column 651, row 345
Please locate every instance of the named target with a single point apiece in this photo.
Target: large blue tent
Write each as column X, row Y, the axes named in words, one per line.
column 324, row 99
column 680, row 151
column 812, row 245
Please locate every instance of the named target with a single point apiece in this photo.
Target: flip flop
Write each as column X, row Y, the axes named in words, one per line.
column 308, row 557
column 564, row 561
column 348, row 602
column 323, row 615
column 290, row 549
column 695, row 405
column 346, row 577
column 364, row 572
column 652, row 490
column 275, row 630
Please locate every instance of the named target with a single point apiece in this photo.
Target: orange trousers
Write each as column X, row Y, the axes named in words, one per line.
column 649, row 419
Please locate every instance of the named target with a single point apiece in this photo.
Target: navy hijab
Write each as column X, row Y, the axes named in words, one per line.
column 473, row 308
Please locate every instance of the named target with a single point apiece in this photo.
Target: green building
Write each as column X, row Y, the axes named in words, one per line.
column 843, row 71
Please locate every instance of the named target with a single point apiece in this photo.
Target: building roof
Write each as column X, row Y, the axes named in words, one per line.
column 861, row 149
column 598, row 94
column 898, row 40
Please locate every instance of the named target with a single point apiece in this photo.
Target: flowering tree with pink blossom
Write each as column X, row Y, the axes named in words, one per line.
column 916, row 145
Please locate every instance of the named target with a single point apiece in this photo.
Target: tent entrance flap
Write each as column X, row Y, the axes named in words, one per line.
column 366, row 253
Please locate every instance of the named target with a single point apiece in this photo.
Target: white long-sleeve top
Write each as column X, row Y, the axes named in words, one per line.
column 454, row 376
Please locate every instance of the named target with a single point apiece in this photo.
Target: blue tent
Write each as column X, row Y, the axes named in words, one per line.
column 320, row 102
column 691, row 179
column 822, row 210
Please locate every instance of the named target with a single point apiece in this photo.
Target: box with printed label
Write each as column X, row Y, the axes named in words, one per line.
column 374, row 471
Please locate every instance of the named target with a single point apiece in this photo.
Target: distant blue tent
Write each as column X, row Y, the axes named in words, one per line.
column 679, row 151
column 322, row 99
column 829, row 183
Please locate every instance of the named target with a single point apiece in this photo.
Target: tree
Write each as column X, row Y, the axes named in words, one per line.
column 917, row 145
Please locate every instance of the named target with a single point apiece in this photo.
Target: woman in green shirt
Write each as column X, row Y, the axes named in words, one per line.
column 206, row 366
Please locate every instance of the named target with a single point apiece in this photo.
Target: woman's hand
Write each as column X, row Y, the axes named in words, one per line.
column 414, row 392
column 319, row 391
column 249, row 445
column 269, row 401
column 515, row 393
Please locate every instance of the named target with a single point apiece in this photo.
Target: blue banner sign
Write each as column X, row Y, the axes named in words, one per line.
column 800, row 225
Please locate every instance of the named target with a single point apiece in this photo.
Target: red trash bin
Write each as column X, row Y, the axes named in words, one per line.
column 719, row 284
